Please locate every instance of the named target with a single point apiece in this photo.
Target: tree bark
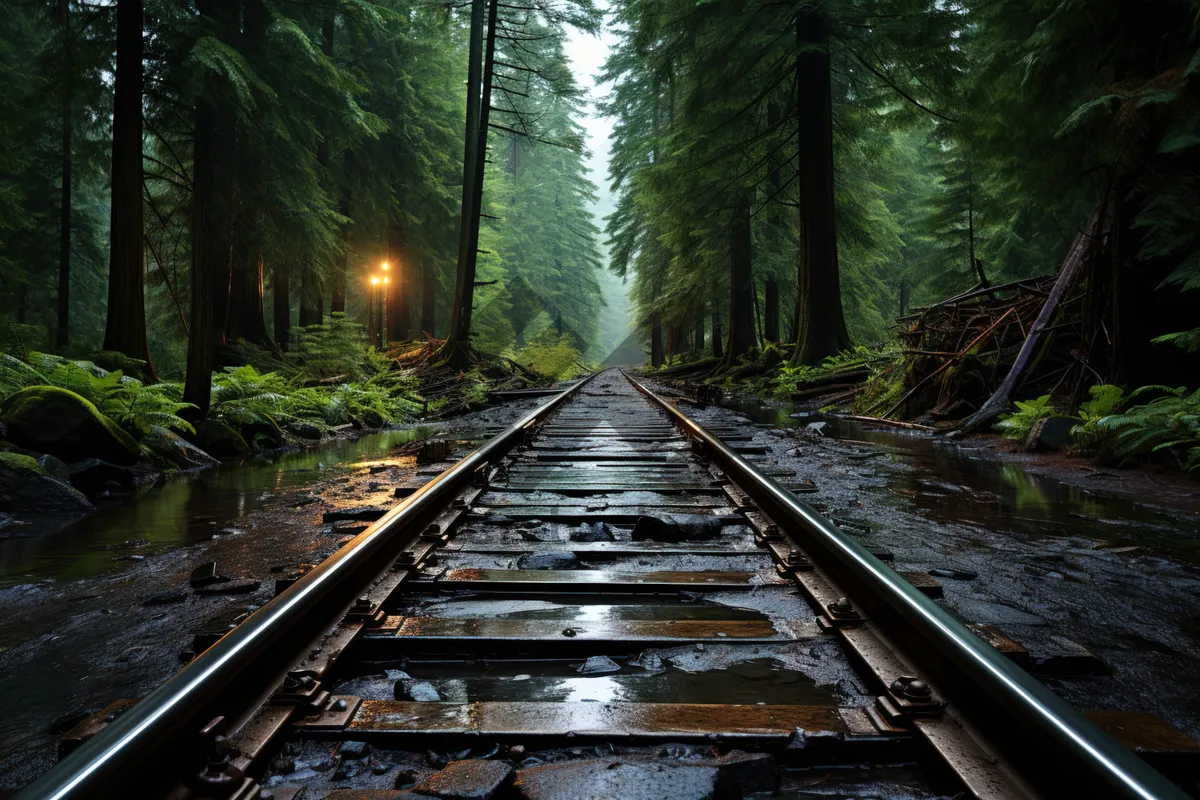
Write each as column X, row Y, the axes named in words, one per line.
column 698, row 335
column 399, row 317
column 821, row 328
column 125, row 330
column 337, row 302
column 282, row 311
column 311, row 298
column 656, row 343
column 246, row 315
column 62, row 333
column 479, row 83
column 741, row 286
column 429, row 297
column 771, row 310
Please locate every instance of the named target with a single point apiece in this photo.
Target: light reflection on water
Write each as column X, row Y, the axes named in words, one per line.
column 182, row 509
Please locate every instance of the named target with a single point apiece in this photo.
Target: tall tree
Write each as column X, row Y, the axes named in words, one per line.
column 125, row 331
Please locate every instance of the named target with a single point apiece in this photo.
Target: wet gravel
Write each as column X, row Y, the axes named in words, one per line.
column 1108, row 582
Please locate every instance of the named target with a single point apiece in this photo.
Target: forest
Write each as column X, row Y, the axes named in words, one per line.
column 245, row 221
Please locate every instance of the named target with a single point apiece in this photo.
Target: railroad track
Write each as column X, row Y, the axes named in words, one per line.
column 607, row 600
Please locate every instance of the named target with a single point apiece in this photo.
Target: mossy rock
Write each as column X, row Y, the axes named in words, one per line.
column 26, row 488
column 112, row 361
column 57, row 421
column 220, row 440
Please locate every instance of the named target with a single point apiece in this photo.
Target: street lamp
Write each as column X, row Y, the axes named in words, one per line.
column 378, row 290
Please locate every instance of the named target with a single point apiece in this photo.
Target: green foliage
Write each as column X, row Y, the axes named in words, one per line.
column 334, row 349
column 1167, row 426
column 1019, row 423
column 133, row 405
column 554, row 356
column 1103, row 400
column 791, row 378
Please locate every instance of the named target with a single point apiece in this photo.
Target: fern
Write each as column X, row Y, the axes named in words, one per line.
column 1168, row 426
column 1018, row 424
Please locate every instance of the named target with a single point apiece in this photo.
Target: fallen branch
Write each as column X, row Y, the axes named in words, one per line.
column 1077, row 256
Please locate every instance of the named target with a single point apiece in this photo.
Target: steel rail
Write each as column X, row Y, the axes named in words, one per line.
column 143, row 745
column 1054, row 748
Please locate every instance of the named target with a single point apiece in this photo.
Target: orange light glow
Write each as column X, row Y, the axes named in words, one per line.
column 385, row 279
column 374, row 280
column 385, row 266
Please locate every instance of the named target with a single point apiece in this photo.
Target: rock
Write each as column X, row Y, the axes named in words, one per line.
column 609, row 777
column 25, row 488
column 676, row 528
column 173, row 449
column 817, row 427
column 474, row 779
column 365, row 514
column 220, row 440
column 598, row 665
column 93, row 476
column 420, row 691
column 548, row 561
column 55, row 468
column 593, row 532
column 206, row 575
column 1052, row 433
column 107, row 361
column 167, row 598
column 305, row 430
column 244, row 586
column 954, row 574
column 352, row 751
column 60, row 422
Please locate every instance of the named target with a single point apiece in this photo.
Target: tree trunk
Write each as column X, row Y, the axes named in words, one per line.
column 399, row 317
column 62, row 330
column 337, row 302
column 741, row 285
column 656, row 343
column 282, row 311
column 479, row 84
column 197, row 388
column 821, row 328
column 311, row 298
column 62, row 334
column 771, row 310
column 698, row 335
column 428, row 297
column 246, row 316
column 125, row 330
column 904, row 293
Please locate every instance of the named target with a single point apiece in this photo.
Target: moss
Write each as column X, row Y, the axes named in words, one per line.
column 20, row 463
column 57, row 421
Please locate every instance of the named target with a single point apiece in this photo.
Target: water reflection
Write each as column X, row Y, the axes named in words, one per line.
column 952, row 481
column 181, row 510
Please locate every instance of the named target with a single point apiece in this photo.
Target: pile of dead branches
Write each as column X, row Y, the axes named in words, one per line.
column 965, row 357
column 463, row 382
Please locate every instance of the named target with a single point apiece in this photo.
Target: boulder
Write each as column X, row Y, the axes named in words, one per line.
column 93, row 476
column 55, row 468
column 219, row 440
column 63, row 424
column 25, row 488
column 113, row 361
column 305, row 430
column 173, row 449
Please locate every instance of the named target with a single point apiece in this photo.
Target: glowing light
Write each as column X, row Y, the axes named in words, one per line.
column 385, row 266
column 385, row 279
column 374, row 280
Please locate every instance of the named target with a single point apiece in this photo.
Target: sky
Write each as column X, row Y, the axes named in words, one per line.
column 587, row 53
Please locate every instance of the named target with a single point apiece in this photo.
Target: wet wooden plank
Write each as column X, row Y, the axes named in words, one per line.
column 616, row 516
column 611, row 633
column 615, row 721
column 583, row 489
column 497, row 499
column 739, row 547
column 597, row 580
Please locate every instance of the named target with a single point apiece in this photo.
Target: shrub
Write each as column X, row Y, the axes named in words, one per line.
column 1168, row 426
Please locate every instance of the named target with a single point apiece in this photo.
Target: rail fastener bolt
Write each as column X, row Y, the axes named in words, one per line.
column 912, row 689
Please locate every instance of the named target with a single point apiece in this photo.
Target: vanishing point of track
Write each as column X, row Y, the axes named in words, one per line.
column 618, row 512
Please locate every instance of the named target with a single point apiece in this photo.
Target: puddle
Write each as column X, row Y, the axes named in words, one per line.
column 959, row 482
column 183, row 510
column 747, row 683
